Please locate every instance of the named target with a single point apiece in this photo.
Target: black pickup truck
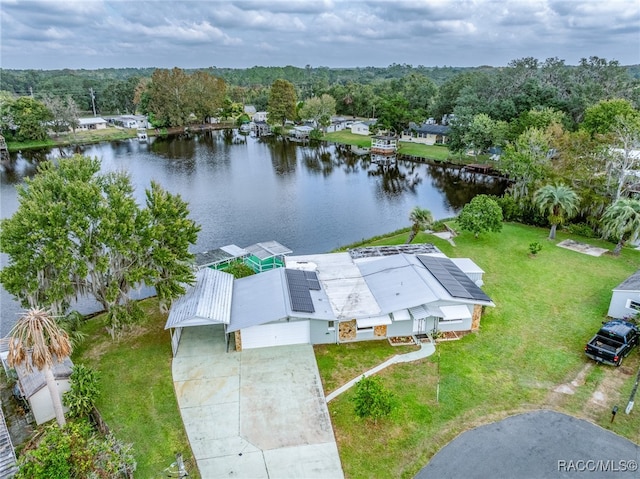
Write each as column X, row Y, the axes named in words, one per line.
column 614, row 341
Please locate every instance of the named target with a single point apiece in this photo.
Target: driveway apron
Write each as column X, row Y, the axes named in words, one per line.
column 256, row 413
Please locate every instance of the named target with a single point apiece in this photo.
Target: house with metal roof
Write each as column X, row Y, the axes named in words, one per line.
column 427, row 133
column 92, row 123
column 625, row 298
column 362, row 127
column 366, row 293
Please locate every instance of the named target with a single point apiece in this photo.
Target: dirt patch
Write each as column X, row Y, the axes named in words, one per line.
column 612, row 381
column 557, row 395
column 582, row 247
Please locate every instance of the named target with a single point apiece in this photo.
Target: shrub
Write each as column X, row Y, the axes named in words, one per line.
column 84, row 392
column 534, row 248
column 581, row 229
column 76, row 451
column 239, row 270
column 372, row 399
column 511, row 211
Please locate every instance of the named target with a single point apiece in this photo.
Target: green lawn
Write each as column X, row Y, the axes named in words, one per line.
column 546, row 309
column 348, row 138
column 138, row 401
column 430, row 152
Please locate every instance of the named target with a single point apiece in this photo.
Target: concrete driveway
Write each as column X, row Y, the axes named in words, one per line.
column 260, row 413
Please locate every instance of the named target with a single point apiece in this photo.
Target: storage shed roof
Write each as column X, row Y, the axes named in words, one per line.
column 32, row 381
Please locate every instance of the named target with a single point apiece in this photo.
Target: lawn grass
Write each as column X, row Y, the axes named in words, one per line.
column 430, row 152
column 547, row 307
column 348, row 138
column 137, row 398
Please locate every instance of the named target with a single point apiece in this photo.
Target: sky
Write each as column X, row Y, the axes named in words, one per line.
column 92, row 34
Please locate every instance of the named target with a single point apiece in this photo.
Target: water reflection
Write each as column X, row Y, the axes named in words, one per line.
column 460, row 185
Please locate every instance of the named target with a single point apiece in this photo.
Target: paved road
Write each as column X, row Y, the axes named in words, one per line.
column 540, row 444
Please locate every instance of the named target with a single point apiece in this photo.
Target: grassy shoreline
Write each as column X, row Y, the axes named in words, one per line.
column 503, row 369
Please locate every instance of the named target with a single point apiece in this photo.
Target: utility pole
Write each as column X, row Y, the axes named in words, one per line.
column 93, row 101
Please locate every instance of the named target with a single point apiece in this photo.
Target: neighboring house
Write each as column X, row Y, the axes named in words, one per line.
column 625, row 299
column 301, row 132
column 260, row 116
column 93, row 123
column 250, row 110
column 33, row 387
column 338, row 123
column 131, row 121
column 362, row 127
column 363, row 294
column 426, row 133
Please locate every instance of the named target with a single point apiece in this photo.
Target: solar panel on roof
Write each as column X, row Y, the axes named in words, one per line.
column 312, row 279
column 299, row 294
column 452, row 278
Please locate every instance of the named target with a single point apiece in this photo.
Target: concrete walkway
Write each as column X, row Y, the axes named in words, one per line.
column 426, row 350
column 260, row 413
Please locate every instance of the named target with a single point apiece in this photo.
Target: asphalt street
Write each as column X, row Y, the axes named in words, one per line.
column 539, row 444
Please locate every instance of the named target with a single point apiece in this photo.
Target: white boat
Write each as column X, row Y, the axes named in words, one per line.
column 142, row 134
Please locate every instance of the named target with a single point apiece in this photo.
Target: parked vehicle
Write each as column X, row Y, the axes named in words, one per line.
column 613, row 342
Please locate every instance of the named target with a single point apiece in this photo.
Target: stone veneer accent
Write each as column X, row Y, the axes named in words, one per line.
column 475, row 317
column 238, row 338
column 380, row 331
column 347, row 330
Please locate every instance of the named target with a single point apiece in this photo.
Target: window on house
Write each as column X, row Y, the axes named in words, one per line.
column 635, row 305
column 449, row 321
column 331, row 325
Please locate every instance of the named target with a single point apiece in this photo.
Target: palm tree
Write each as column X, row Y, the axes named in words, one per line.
column 36, row 340
column 559, row 201
column 622, row 220
column 421, row 219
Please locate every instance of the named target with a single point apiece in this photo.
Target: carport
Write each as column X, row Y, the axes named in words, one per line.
column 206, row 303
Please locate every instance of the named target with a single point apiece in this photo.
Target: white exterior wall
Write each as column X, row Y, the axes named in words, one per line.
column 41, row 404
column 618, row 307
column 359, row 129
column 426, row 139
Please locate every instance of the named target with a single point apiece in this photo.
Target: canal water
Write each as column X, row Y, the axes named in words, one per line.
column 243, row 190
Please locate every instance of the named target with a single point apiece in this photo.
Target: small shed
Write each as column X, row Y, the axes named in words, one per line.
column 625, row 299
column 33, row 387
column 207, row 302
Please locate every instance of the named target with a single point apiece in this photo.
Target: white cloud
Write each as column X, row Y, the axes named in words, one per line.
column 349, row 33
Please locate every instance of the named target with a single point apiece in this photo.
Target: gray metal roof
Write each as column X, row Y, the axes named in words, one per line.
column 264, row 298
column 8, row 463
column 396, row 283
column 208, row 301
column 267, row 249
column 632, row 283
column 258, row 299
column 32, row 381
